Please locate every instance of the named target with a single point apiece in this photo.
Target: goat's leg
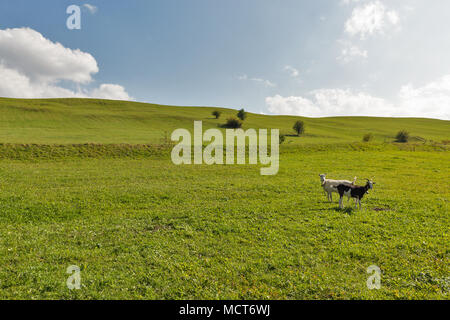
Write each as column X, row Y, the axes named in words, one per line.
column 331, row 196
column 356, row 203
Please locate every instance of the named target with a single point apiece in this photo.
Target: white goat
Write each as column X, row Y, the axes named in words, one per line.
column 330, row 186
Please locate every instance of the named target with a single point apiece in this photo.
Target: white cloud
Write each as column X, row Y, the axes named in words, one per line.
column 328, row 102
column 28, row 52
column 393, row 17
column 32, row 66
column 267, row 83
column 350, row 52
column 292, row 71
column 111, row 92
column 16, row 85
column 368, row 18
column 429, row 101
column 92, row 9
column 371, row 18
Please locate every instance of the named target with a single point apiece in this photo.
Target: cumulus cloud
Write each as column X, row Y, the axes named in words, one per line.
column 328, row 102
column 371, row 18
column 32, row 66
column 111, row 92
column 40, row 59
column 16, row 85
column 429, row 101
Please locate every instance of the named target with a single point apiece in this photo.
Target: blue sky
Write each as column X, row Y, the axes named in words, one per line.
column 313, row 58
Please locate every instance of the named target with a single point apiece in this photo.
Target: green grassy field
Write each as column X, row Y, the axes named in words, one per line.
column 65, row 121
column 142, row 228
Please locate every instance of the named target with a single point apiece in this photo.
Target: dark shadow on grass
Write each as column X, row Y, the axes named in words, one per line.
column 348, row 210
column 378, row 209
column 225, row 126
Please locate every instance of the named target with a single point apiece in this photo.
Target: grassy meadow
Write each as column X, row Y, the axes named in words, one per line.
column 86, row 182
column 74, row 121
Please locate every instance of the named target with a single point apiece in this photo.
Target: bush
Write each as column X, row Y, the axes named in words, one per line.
column 233, row 123
column 216, row 114
column 299, row 127
column 242, row 114
column 368, row 137
column 402, row 136
column 166, row 141
column 282, row 138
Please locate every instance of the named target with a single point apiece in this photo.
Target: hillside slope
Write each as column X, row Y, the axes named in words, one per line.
column 65, row 121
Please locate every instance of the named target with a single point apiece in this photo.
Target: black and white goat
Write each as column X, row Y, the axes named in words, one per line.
column 356, row 192
column 330, row 186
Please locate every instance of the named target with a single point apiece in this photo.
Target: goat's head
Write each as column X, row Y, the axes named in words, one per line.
column 322, row 177
column 370, row 183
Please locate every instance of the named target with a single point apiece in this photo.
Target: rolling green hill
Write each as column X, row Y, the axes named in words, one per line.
column 65, row 121
column 80, row 185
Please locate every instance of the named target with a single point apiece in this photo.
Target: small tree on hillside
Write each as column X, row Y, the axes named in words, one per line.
column 242, row 114
column 216, row 114
column 299, row 127
column 402, row 136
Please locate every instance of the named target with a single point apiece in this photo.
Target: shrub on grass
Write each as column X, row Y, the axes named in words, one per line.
column 166, row 141
column 402, row 136
column 233, row 123
column 368, row 137
column 282, row 138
